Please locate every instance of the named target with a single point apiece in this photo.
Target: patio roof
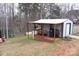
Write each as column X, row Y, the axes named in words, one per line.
column 50, row 21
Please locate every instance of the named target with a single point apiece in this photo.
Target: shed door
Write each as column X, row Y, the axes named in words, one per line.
column 68, row 25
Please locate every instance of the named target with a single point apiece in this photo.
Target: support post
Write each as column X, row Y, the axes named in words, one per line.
column 54, row 31
column 42, row 29
column 34, row 32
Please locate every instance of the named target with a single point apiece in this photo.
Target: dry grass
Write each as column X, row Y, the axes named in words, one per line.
column 24, row 46
column 21, row 46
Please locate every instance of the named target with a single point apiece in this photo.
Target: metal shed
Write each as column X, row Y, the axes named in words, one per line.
column 54, row 27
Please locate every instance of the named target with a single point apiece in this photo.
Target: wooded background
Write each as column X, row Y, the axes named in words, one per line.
column 14, row 17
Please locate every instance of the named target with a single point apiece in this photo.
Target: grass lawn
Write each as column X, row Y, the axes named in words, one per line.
column 21, row 46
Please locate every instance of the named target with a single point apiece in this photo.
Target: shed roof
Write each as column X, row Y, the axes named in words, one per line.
column 50, row 21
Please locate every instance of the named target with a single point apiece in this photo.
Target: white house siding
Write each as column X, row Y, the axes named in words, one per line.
column 71, row 27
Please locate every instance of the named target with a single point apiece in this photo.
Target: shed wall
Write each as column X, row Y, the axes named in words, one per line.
column 64, row 27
